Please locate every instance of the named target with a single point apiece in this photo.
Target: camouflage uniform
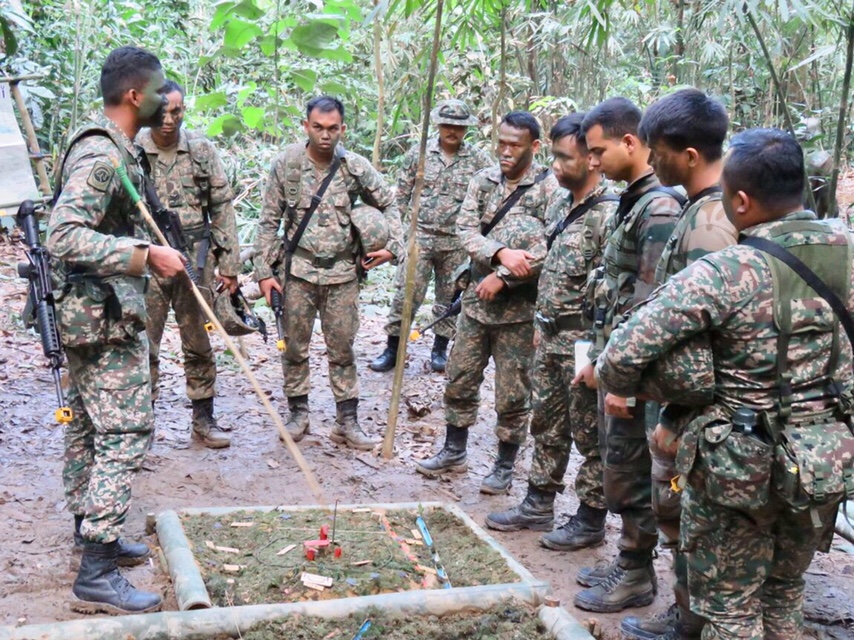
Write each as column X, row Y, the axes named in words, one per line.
column 439, row 250
column 627, row 278
column 323, row 277
column 194, row 185
column 747, row 544
column 502, row 328
column 97, row 235
column 563, row 412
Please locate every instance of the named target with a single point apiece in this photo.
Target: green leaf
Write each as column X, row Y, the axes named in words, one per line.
column 226, row 124
column 245, row 92
column 248, row 9
column 339, row 54
column 305, row 79
column 253, row 117
column 314, row 36
column 239, row 33
column 223, row 11
column 210, row 101
column 333, row 88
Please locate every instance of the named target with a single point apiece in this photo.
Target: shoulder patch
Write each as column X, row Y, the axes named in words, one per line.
column 101, row 176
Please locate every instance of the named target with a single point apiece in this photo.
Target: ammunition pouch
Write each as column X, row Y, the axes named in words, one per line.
column 98, row 311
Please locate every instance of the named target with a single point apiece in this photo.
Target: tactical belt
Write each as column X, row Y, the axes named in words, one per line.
column 553, row 326
column 324, row 262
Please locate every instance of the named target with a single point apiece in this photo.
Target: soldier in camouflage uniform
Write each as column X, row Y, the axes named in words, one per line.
column 322, row 276
column 644, row 220
column 498, row 303
column 100, row 241
column 685, row 132
column 576, row 224
column 764, row 467
column 449, row 165
column 190, row 180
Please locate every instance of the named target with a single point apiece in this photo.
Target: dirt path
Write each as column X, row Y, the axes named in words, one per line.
column 35, row 576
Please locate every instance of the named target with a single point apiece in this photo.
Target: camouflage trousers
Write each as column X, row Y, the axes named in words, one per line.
column 746, row 567
column 107, row 440
column 626, row 476
column 560, row 414
column 338, row 307
column 510, row 346
column 440, row 263
column 199, row 361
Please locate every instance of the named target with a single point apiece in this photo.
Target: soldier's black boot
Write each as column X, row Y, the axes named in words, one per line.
column 385, row 361
column 100, row 588
column 499, row 480
column 298, row 423
column 630, row 582
column 438, row 357
column 205, row 428
column 585, row 529
column 535, row 512
column 347, row 430
column 130, row 554
column 452, row 457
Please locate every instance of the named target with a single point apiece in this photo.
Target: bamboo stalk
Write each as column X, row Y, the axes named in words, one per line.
column 840, row 123
column 412, row 248
column 378, row 67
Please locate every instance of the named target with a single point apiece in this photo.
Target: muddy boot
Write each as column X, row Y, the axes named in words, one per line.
column 499, row 480
column 347, row 430
column 585, row 529
column 100, row 588
column 385, row 361
column 438, row 358
column 650, row 627
column 536, row 512
column 452, row 457
column 591, row 576
column 297, row 424
column 205, row 428
column 130, row 554
column 631, row 583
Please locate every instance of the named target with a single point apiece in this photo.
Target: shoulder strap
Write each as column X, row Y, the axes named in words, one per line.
column 708, row 191
column 86, row 133
column 807, row 274
column 628, row 203
column 575, row 214
column 509, row 203
column 316, row 199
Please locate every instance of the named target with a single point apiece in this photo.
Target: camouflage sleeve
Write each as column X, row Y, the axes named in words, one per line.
column 692, row 301
column 483, row 161
column 480, row 248
column 711, row 231
column 377, row 193
column 406, row 182
column 223, row 219
column 268, row 243
column 90, row 187
column 656, row 223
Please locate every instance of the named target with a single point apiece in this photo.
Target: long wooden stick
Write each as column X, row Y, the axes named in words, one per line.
column 412, row 253
column 283, row 433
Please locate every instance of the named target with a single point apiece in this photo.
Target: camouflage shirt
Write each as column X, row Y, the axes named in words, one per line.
column 176, row 178
column 573, row 255
column 703, row 228
column 445, row 184
column 523, row 227
column 730, row 294
column 293, row 181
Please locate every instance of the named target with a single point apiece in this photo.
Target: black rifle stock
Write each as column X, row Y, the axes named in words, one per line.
column 453, row 310
column 41, row 305
column 170, row 224
column 277, row 302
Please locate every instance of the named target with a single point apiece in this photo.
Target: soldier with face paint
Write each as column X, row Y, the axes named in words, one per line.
column 96, row 233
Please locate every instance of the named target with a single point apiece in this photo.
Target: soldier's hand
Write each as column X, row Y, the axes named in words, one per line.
column 165, row 262
column 665, row 440
column 617, row 407
column 376, row 258
column 267, row 285
column 489, row 287
column 587, row 376
column 228, row 282
column 517, row 261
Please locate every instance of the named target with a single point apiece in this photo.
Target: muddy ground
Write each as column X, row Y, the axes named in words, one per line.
column 35, row 576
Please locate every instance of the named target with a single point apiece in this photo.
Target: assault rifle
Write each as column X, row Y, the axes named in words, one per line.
column 41, row 305
column 170, row 224
column 453, row 310
column 277, row 302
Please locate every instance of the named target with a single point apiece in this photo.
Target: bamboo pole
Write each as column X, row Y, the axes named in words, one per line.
column 378, row 67
column 283, row 433
column 32, row 141
column 412, row 248
column 843, row 116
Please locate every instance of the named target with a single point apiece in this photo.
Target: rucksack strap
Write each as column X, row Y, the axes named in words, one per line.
column 510, row 202
column 575, row 214
column 316, row 199
column 628, row 202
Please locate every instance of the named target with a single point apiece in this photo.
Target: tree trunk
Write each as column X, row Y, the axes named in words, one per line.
column 502, row 78
column 378, row 67
column 833, row 210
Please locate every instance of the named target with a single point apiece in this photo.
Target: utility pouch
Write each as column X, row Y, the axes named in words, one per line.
column 814, row 465
column 462, row 276
column 99, row 311
column 127, row 319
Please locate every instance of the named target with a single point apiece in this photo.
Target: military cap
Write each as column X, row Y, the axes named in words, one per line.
column 455, row 112
column 236, row 317
column 371, row 228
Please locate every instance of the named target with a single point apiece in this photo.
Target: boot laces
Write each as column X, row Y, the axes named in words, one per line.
column 122, row 586
column 666, row 616
column 613, row 580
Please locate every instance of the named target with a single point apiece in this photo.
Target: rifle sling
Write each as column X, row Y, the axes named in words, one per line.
column 509, row 203
column 316, row 199
column 575, row 214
